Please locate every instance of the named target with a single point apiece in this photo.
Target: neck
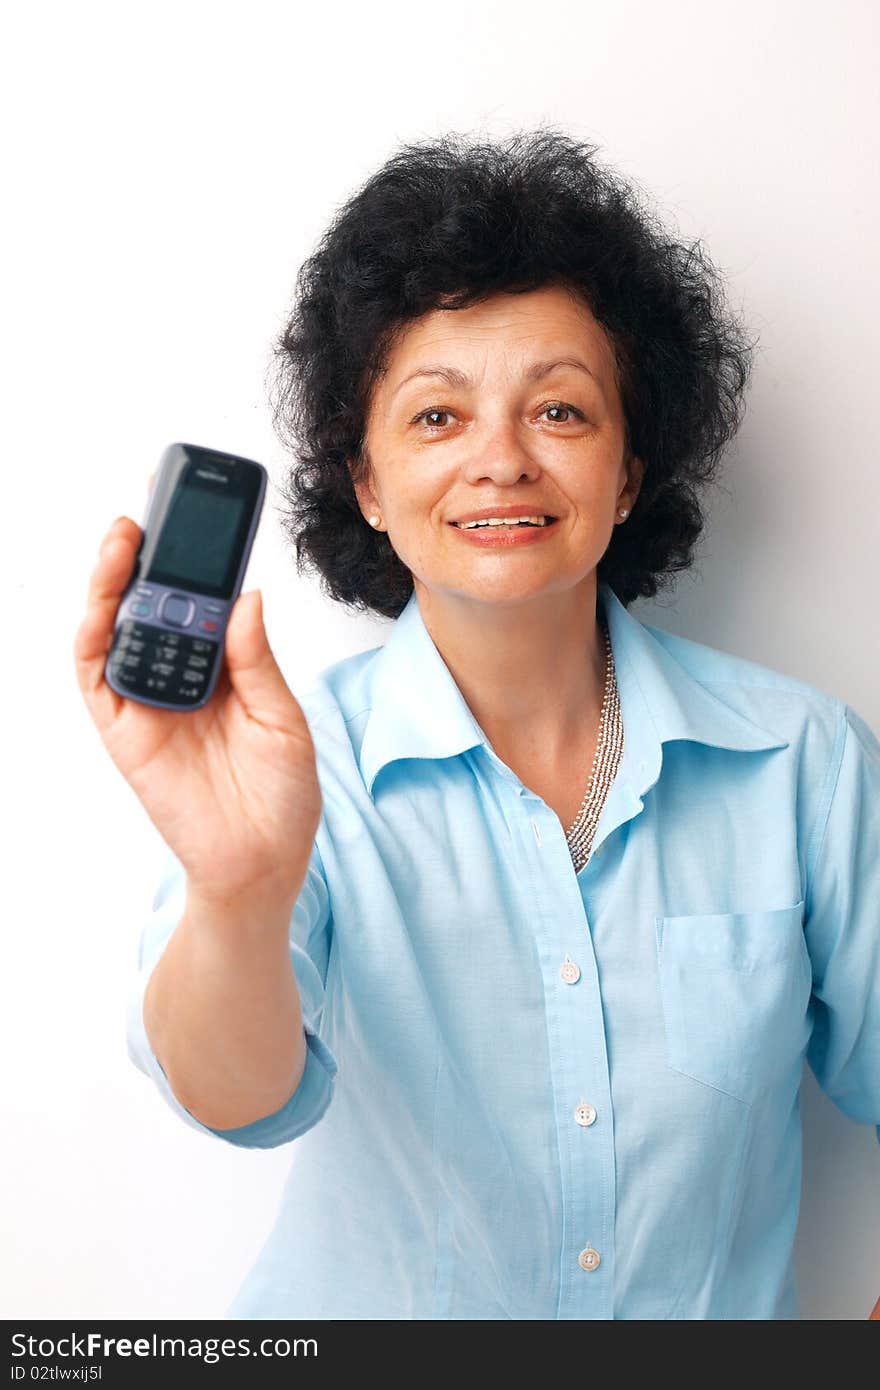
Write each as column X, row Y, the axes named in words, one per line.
column 532, row 674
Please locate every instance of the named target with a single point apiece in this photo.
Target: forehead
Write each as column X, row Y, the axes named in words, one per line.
column 507, row 325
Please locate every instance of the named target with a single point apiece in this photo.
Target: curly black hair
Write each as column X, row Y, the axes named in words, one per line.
column 446, row 223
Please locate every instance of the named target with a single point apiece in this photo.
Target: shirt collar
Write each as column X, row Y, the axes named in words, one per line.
column 418, row 711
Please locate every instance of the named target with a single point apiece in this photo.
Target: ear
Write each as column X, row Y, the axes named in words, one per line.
column 635, row 469
column 366, row 498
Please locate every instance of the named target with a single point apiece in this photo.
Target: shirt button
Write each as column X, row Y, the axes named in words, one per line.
column 585, row 1114
column 589, row 1258
column 570, row 971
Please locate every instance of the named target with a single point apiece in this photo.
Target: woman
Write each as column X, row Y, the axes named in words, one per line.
column 523, row 923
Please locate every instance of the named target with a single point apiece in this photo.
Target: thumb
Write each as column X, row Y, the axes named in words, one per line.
column 253, row 671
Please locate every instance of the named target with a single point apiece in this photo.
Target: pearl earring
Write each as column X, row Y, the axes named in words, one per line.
column 624, row 511
column 374, row 521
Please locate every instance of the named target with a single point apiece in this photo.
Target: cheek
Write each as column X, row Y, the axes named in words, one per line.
column 593, row 488
column 415, row 524
column 420, row 503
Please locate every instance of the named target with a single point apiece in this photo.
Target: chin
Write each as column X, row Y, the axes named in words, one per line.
column 499, row 594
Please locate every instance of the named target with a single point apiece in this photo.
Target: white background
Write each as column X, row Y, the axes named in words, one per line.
column 166, row 170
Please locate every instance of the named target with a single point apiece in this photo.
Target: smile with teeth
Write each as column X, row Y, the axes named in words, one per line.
column 505, row 521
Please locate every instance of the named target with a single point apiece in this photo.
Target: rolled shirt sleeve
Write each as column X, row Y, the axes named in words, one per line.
column 310, row 926
column 842, row 925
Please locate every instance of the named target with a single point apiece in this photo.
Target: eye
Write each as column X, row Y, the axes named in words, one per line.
column 432, row 410
column 561, row 405
column 438, row 410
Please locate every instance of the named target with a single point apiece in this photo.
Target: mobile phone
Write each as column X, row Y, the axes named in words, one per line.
column 198, row 531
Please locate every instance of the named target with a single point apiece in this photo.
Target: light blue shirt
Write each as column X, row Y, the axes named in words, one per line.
column 536, row 1094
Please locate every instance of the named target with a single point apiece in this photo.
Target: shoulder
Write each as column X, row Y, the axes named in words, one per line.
column 337, row 703
column 713, row 666
column 341, row 691
column 812, row 719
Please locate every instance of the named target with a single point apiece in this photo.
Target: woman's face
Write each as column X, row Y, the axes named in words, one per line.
column 497, row 434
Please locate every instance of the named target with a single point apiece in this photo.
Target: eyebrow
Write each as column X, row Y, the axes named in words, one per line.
column 454, row 377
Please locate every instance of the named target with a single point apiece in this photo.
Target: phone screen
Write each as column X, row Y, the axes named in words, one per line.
column 204, row 530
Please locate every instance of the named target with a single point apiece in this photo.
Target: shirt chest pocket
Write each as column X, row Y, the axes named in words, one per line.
column 735, row 989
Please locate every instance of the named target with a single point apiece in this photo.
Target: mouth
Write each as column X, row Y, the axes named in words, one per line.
column 503, row 524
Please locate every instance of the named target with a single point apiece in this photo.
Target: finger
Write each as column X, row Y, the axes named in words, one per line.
column 250, row 662
column 95, row 633
column 122, row 526
column 121, row 540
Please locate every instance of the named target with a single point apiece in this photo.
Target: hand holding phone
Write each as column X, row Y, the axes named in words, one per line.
column 231, row 785
column 200, row 525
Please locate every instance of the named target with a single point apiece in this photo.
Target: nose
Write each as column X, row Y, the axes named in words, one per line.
column 501, row 455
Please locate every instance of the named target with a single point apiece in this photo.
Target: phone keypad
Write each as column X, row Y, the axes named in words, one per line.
column 162, row 665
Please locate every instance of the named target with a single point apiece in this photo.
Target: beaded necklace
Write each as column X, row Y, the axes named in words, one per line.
column 606, row 759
